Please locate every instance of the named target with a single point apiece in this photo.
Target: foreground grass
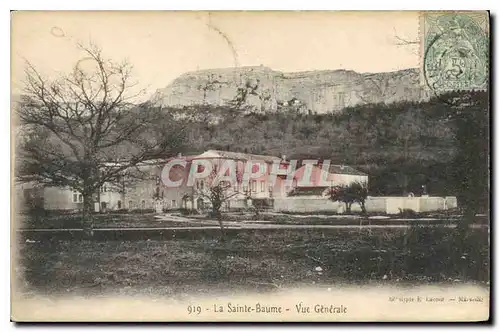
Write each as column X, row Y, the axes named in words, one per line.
column 148, row 220
column 106, row 220
column 253, row 260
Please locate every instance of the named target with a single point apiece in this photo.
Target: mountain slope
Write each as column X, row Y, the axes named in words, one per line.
column 269, row 90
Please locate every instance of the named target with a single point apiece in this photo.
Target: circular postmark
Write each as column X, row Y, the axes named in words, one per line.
column 456, row 54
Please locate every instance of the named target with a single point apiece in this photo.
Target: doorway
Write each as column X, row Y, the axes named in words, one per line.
column 200, row 204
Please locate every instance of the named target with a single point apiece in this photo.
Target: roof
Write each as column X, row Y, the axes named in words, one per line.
column 304, row 191
column 149, row 162
column 344, row 169
column 334, row 173
column 237, row 156
column 187, row 158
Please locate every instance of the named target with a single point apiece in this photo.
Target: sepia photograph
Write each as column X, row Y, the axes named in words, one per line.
column 250, row 166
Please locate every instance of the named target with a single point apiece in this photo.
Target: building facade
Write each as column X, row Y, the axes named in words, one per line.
column 258, row 179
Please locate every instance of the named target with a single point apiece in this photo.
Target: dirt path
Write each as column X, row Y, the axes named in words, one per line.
column 240, row 226
column 208, row 224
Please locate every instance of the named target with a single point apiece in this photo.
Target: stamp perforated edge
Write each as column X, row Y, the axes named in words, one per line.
column 421, row 39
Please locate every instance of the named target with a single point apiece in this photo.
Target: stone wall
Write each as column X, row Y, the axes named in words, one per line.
column 386, row 205
column 56, row 198
column 300, row 204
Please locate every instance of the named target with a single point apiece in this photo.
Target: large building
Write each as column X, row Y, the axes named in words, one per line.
column 267, row 178
column 272, row 177
column 194, row 194
column 133, row 193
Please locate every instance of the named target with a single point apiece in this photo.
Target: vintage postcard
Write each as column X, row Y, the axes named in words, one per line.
column 250, row 166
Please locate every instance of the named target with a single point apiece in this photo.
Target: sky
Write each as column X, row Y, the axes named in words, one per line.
column 163, row 45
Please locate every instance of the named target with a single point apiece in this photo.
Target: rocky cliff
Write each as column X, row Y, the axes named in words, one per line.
column 264, row 89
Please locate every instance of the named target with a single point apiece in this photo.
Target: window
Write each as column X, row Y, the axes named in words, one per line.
column 202, row 184
column 77, row 197
column 174, row 203
column 262, row 186
column 119, row 205
column 143, row 204
column 254, row 186
column 130, row 205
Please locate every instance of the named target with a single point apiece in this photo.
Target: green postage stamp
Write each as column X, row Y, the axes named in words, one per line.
column 454, row 50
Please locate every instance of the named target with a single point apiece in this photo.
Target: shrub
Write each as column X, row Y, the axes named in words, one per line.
column 142, row 211
column 214, row 214
column 187, row 212
column 120, row 211
column 408, row 213
column 263, row 203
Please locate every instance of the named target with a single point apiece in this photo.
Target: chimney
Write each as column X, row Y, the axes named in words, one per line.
column 179, row 155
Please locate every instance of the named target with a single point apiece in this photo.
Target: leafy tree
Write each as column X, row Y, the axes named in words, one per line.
column 407, row 128
column 471, row 163
column 353, row 193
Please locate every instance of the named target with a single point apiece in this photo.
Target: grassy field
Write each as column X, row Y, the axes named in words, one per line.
column 148, row 220
column 252, row 259
column 107, row 220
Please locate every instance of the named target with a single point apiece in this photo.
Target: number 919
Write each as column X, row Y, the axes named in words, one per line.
column 194, row 309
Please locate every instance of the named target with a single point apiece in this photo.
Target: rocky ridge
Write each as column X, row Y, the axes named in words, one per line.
column 265, row 89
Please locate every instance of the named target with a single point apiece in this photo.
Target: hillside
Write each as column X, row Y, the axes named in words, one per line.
column 269, row 90
column 402, row 145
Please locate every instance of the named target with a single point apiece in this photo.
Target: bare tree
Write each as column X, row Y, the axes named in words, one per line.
column 219, row 192
column 409, row 43
column 84, row 129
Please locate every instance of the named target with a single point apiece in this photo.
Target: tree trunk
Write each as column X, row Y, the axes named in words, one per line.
column 405, row 176
column 463, row 224
column 363, row 207
column 222, row 230
column 99, row 198
column 88, row 219
column 348, row 208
